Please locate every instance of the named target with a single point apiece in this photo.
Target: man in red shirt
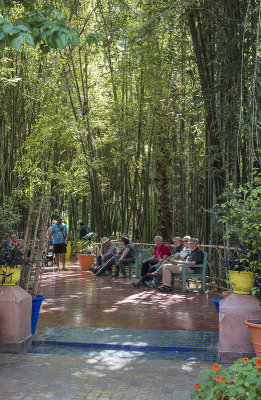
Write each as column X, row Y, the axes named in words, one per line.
column 161, row 253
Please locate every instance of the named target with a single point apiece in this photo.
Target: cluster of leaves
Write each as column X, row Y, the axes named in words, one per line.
column 46, row 27
column 242, row 380
column 8, row 218
column 10, row 256
column 256, row 290
column 87, row 245
column 239, row 215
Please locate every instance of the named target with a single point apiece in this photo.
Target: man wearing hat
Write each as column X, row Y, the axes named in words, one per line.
column 106, row 252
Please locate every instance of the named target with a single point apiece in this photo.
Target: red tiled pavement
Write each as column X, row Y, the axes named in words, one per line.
column 77, row 298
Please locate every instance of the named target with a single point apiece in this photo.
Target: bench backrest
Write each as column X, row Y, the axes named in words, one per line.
column 142, row 254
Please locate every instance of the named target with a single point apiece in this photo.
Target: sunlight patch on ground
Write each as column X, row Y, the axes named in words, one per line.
column 112, row 309
column 188, row 366
column 111, row 360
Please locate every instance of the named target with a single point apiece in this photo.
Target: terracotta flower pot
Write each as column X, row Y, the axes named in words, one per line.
column 9, row 276
column 254, row 326
column 241, row 281
column 86, row 261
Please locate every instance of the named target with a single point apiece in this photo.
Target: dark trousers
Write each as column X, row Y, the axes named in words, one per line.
column 107, row 257
column 145, row 266
column 120, row 265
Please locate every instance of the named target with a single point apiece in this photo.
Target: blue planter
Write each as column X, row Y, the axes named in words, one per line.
column 36, row 305
column 216, row 301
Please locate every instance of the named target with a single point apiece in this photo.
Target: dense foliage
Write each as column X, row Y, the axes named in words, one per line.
column 141, row 126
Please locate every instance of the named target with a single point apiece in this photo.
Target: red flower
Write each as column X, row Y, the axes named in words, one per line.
column 216, row 367
column 245, row 359
column 223, row 379
column 217, row 378
column 232, row 382
column 258, row 363
column 197, row 386
column 235, row 362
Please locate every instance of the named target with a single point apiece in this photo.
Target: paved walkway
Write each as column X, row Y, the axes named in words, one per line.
column 101, row 338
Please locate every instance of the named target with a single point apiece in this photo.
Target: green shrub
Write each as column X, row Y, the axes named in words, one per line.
column 240, row 381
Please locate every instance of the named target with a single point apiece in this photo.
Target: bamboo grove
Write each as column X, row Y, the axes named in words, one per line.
column 139, row 127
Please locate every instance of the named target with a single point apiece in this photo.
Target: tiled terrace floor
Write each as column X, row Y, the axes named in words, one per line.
column 100, row 338
column 77, row 298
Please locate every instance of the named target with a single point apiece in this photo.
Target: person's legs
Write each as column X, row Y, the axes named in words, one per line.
column 111, row 260
column 125, row 261
column 145, row 266
column 63, row 256
column 57, row 250
column 166, row 277
column 107, row 258
column 57, row 259
column 98, row 261
column 146, row 277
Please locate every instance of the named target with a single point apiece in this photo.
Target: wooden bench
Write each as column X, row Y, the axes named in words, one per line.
column 201, row 273
column 142, row 254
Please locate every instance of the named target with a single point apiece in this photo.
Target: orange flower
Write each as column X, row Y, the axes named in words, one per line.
column 232, row 382
column 223, row 379
column 258, row 363
column 197, row 386
column 216, row 367
column 235, row 362
column 217, row 378
column 245, row 359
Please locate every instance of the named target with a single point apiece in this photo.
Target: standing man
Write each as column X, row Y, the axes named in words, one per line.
column 84, row 230
column 58, row 233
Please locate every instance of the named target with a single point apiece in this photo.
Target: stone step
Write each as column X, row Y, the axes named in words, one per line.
column 188, row 344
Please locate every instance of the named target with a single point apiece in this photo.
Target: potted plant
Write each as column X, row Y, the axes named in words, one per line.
column 11, row 262
column 241, row 278
column 239, row 217
column 87, row 256
column 242, row 380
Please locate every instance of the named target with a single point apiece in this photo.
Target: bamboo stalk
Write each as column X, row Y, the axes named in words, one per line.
column 42, row 245
column 27, row 275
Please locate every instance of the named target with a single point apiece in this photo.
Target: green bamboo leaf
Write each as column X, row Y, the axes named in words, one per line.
column 62, row 41
column 17, row 42
column 30, row 40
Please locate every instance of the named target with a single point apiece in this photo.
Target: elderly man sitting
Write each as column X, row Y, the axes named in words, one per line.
column 106, row 252
column 160, row 253
column 178, row 253
column 195, row 257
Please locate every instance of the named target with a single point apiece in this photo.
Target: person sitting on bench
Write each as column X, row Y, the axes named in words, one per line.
column 161, row 253
column 127, row 257
column 178, row 255
column 195, row 257
column 107, row 251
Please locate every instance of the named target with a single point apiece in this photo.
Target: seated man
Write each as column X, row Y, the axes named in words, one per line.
column 107, row 252
column 195, row 257
column 177, row 254
column 127, row 257
column 161, row 253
